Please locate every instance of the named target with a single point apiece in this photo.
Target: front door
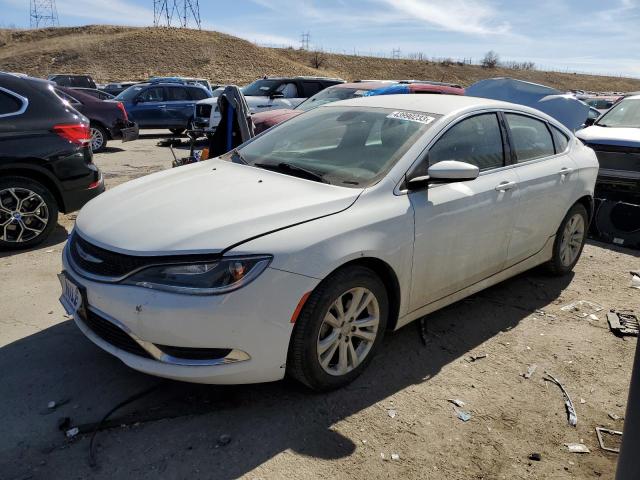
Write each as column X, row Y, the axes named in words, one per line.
column 462, row 229
column 149, row 109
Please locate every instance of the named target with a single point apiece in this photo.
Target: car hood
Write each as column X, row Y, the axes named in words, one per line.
column 205, row 207
column 628, row 137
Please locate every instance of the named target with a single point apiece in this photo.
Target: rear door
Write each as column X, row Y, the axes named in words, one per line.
column 180, row 106
column 546, row 178
column 462, row 229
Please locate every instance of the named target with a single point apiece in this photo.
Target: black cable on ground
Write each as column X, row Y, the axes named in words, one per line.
column 132, row 398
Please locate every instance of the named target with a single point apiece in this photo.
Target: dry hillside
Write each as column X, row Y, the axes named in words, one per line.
column 124, row 53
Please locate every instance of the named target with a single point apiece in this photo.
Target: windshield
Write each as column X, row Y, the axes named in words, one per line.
column 260, row 88
column 331, row 94
column 129, row 93
column 346, row 146
column 624, row 114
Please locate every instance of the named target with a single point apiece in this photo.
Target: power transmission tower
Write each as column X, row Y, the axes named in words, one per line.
column 179, row 13
column 304, row 41
column 43, row 14
column 395, row 53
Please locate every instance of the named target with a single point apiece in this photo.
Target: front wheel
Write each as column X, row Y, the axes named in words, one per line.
column 28, row 213
column 339, row 329
column 569, row 241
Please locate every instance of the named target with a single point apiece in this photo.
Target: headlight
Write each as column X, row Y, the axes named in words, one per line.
column 203, row 278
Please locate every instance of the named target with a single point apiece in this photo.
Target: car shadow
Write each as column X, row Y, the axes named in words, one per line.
column 182, row 422
column 110, row 150
column 616, row 248
column 58, row 235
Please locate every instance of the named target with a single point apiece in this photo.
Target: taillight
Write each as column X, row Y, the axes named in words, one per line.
column 124, row 112
column 77, row 133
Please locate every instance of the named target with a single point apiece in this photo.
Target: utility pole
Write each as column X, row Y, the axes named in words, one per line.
column 304, row 41
column 43, row 14
column 186, row 11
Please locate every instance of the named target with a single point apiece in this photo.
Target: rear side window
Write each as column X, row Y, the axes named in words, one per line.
column 9, row 104
column 476, row 140
column 560, row 139
column 530, row 137
column 176, row 94
column 197, row 93
column 311, row 88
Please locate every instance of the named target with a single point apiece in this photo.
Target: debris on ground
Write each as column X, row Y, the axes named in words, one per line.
column 583, row 401
column 456, row 401
column 530, row 371
column 614, row 416
column 582, row 308
column 461, row 414
column 577, row 447
column 635, row 279
column 535, row 457
column 593, row 316
column 473, row 358
column 395, row 456
column 392, row 413
column 72, row 432
column 571, row 411
column 223, row 440
column 600, row 431
column 51, row 405
column 623, row 323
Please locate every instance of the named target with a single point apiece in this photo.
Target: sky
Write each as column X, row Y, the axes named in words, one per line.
column 598, row 36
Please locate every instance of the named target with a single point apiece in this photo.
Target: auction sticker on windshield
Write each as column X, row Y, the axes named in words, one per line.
column 412, row 116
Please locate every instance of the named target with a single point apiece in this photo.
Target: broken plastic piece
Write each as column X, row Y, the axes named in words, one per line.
column 535, row 456
column 461, row 414
column 530, row 371
column 72, row 432
column 395, row 456
column 614, row 416
column 635, row 279
column 577, row 447
column 51, row 404
column 600, row 431
column 392, row 413
column 456, row 401
column 582, row 308
column 571, row 411
column 622, row 324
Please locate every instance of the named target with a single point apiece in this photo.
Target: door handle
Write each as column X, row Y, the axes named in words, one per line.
column 504, row 186
column 162, row 106
column 565, row 171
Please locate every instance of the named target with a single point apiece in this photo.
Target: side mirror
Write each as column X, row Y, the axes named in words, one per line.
column 445, row 171
column 277, row 95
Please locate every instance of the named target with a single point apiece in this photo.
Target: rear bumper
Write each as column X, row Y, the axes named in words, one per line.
column 125, row 132
column 75, row 199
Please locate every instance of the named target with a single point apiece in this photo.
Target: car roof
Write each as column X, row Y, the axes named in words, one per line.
column 302, row 77
column 437, row 104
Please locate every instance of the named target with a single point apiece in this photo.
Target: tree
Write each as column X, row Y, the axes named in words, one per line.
column 490, row 60
column 318, row 58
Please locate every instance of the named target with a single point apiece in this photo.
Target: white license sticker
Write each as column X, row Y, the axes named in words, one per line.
column 412, row 117
column 71, row 297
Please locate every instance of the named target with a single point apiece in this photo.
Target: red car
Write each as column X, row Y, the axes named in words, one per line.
column 345, row 91
column 109, row 120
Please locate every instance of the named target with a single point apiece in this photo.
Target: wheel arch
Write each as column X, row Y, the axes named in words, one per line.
column 588, row 203
column 39, row 177
column 100, row 124
column 388, row 277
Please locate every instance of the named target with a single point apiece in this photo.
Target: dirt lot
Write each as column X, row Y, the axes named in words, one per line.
column 281, row 430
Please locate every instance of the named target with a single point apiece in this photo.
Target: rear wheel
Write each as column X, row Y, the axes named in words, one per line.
column 339, row 329
column 28, row 213
column 569, row 241
column 99, row 138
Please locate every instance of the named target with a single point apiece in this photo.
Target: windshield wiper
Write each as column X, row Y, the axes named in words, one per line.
column 294, row 170
column 237, row 155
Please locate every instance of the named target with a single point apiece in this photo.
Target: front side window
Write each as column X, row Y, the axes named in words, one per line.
column 476, row 140
column 530, row 137
column 347, row 146
column 153, row 94
column 261, row 88
column 624, row 114
column 311, row 88
column 289, row 90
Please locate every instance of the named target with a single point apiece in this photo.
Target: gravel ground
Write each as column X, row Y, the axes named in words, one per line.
column 280, row 430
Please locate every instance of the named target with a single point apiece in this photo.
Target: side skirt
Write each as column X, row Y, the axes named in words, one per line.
column 539, row 258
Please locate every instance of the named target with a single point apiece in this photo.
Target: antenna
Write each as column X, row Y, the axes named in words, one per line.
column 176, row 13
column 304, row 41
column 43, row 14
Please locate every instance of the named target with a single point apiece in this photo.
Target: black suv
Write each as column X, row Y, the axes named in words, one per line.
column 46, row 163
column 73, row 81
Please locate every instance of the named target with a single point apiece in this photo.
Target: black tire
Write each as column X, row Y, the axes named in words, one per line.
column 302, row 363
column 555, row 266
column 103, row 135
column 23, row 185
column 177, row 131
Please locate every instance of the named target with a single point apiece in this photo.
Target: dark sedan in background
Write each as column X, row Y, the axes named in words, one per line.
column 109, row 119
column 46, row 162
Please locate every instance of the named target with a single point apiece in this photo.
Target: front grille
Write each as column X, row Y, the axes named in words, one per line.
column 617, row 157
column 203, row 110
column 112, row 334
column 195, row 353
column 91, row 259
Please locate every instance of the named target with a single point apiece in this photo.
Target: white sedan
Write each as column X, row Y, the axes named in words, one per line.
column 295, row 253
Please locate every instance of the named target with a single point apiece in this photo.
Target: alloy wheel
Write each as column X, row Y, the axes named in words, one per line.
column 572, row 239
column 97, row 139
column 23, row 215
column 348, row 331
